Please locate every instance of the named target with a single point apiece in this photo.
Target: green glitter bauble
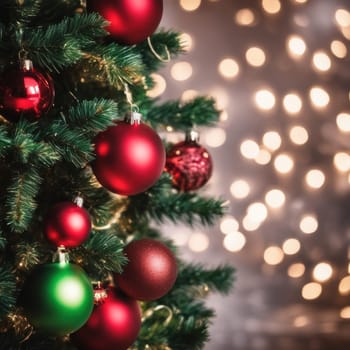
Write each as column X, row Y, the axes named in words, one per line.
column 57, row 298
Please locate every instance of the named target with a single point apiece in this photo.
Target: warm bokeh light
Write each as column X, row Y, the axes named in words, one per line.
column 198, row 242
column 257, row 211
column 291, row 246
column 272, row 140
column 265, row 99
column 298, row 135
column 301, row 321
column 311, row 291
column 229, row 225
column 275, row 198
column 343, row 121
column 319, row 97
column 273, row 255
column 315, row 178
column 322, row 272
column 263, row 158
column 249, row 224
column 186, row 41
column 338, row 49
column 344, row 286
column 249, row 149
column 296, row 46
column 308, row 224
column 245, row 17
column 228, row 68
column 159, row 86
column 234, row 242
column 271, row 6
column 341, row 161
column 283, row 163
column 255, row 56
column 215, row 137
column 190, row 5
column 296, row 270
column 345, row 312
column 189, row 95
column 342, row 17
column 292, row 103
column 181, row 71
column 240, row 189
column 321, row 61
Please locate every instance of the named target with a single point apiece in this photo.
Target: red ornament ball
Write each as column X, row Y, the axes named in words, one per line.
column 130, row 21
column 67, row 225
column 189, row 164
column 151, row 270
column 129, row 158
column 25, row 91
column 113, row 325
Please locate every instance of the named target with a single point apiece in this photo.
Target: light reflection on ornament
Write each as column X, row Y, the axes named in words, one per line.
column 322, row 272
column 240, row 189
column 273, row 255
column 311, row 291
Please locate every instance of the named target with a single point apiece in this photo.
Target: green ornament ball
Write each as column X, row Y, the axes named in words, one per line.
column 57, row 298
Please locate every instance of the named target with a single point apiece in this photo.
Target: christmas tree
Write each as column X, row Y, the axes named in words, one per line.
column 87, row 177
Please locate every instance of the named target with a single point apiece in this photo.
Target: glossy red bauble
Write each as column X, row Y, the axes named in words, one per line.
column 113, row 325
column 129, row 158
column 25, row 91
column 189, row 164
column 151, row 270
column 67, row 225
column 131, row 21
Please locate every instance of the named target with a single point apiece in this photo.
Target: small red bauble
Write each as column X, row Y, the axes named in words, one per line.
column 189, row 164
column 131, row 21
column 151, row 270
column 67, row 224
column 129, row 158
column 113, row 325
column 25, row 91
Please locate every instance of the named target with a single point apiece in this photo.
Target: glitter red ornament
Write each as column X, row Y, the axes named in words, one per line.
column 67, row 224
column 189, row 164
column 25, row 91
column 130, row 157
column 130, row 21
column 113, row 325
column 151, row 270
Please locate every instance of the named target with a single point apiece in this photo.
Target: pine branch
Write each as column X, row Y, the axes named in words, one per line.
column 20, row 200
column 5, row 140
column 22, row 12
column 200, row 111
column 7, row 291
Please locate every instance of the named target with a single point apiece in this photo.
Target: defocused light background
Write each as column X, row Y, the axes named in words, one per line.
column 280, row 72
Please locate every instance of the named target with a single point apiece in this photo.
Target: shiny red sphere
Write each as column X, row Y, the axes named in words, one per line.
column 67, row 225
column 113, row 324
column 131, row 21
column 189, row 164
column 129, row 158
column 151, row 270
column 25, row 91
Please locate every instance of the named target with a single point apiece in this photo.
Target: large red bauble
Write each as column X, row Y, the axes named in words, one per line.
column 129, row 158
column 25, row 91
column 151, row 270
column 131, row 21
column 113, row 325
column 189, row 164
column 67, row 225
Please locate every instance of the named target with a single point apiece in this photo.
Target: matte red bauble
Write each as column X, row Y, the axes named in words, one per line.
column 129, row 158
column 25, row 91
column 113, row 324
column 189, row 164
column 131, row 21
column 67, row 225
column 151, row 270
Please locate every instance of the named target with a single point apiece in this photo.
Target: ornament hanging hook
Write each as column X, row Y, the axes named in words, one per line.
column 149, row 313
column 156, row 54
column 128, row 95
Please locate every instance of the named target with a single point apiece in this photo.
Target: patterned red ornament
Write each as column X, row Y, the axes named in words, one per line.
column 129, row 158
column 189, row 164
column 113, row 325
column 151, row 270
column 67, row 224
column 25, row 91
column 130, row 21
